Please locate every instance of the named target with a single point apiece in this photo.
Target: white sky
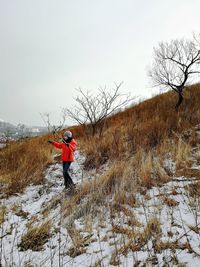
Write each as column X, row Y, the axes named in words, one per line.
column 50, row 47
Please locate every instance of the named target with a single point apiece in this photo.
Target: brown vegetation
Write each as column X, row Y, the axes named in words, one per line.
column 2, row 214
column 35, row 237
column 23, row 163
column 144, row 126
column 135, row 142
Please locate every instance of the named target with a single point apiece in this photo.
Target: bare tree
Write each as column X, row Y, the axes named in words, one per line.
column 53, row 128
column 94, row 109
column 175, row 63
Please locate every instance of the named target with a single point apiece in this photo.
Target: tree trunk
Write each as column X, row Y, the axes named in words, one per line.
column 180, row 100
column 93, row 129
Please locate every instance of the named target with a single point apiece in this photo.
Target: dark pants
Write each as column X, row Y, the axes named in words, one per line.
column 67, row 178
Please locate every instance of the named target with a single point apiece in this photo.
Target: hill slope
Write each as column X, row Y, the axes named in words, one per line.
column 138, row 194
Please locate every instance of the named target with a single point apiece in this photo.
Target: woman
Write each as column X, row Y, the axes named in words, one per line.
column 68, row 147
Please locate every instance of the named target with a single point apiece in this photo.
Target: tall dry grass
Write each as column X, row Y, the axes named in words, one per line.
column 138, row 144
column 23, row 163
column 144, row 126
column 129, row 138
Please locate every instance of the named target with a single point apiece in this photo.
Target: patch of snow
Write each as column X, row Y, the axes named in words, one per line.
column 169, row 164
column 37, row 199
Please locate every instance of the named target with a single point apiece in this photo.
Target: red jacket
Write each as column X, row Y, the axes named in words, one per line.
column 67, row 152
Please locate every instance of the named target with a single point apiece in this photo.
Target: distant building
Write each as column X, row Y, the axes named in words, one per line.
column 35, row 130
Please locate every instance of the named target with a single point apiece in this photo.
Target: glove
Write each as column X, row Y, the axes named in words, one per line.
column 49, row 141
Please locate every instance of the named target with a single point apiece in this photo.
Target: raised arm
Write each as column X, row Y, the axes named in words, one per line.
column 58, row 145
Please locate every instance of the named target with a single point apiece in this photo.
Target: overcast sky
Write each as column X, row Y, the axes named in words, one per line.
column 50, row 47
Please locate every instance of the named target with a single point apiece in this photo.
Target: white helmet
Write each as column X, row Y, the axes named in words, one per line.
column 67, row 134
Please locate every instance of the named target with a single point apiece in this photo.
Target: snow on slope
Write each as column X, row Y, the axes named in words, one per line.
column 21, row 208
column 32, row 202
column 176, row 218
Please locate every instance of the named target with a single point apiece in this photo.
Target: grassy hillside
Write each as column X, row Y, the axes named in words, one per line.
column 147, row 146
column 138, row 190
column 144, row 126
column 138, row 142
column 130, row 140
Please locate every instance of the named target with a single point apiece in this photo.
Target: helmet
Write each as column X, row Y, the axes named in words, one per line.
column 67, row 134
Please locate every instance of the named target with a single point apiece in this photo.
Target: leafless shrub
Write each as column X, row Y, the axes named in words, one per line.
column 94, row 109
column 51, row 127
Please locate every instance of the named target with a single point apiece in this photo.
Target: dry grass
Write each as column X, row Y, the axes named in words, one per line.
column 136, row 143
column 170, row 201
column 2, row 214
column 172, row 245
column 135, row 239
column 189, row 173
column 22, row 163
column 145, row 126
column 35, row 237
column 193, row 189
column 198, row 157
column 195, row 229
column 124, row 179
column 129, row 137
column 28, row 264
column 153, row 227
column 79, row 242
column 180, row 153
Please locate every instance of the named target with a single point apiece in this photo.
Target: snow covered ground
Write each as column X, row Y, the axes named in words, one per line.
column 168, row 215
column 21, row 208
